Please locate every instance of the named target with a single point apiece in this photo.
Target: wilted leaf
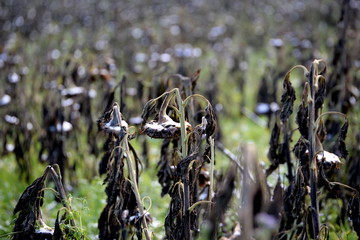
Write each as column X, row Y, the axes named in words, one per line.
column 354, row 213
column 287, row 99
column 341, row 146
column 165, row 173
column 108, row 149
column 320, row 93
column 148, row 110
column 294, row 202
column 210, row 121
column 28, row 208
column 321, row 131
column 274, row 145
column 303, row 114
column 275, row 150
column 194, row 79
column 174, row 219
column 222, row 200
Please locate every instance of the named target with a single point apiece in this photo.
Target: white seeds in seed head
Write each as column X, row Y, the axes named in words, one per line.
column 329, row 158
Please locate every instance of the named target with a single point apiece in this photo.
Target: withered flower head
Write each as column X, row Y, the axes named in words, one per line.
column 328, row 159
column 162, row 126
column 111, row 122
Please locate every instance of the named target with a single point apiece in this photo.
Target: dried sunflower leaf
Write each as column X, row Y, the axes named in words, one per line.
column 303, row 114
column 149, row 110
column 320, row 93
column 210, row 121
column 194, row 79
column 321, row 131
column 354, row 213
column 165, row 173
column 341, row 146
column 28, row 208
column 287, row 99
column 274, row 145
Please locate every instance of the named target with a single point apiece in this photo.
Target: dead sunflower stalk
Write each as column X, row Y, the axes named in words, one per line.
column 118, row 129
column 313, row 159
column 176, row 127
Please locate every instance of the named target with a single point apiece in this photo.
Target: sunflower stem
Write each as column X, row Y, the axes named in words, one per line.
column 133, row 178
column 312, row 142
column 212, row 164
column 184, row 152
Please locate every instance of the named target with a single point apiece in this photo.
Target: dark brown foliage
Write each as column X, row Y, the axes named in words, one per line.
column 28, row 210
column 166, row 168
column 221, row 202
column 29, row 223
column 294, row 202
column 287, row 99
column 275, row 154
column 354, row 213
column 320, row 93
column 341, row 150
column 303, row 114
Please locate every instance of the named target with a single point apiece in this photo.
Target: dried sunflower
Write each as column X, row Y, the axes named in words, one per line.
column 162, row 126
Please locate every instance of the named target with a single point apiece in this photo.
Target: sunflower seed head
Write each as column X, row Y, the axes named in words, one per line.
column 112, row 122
